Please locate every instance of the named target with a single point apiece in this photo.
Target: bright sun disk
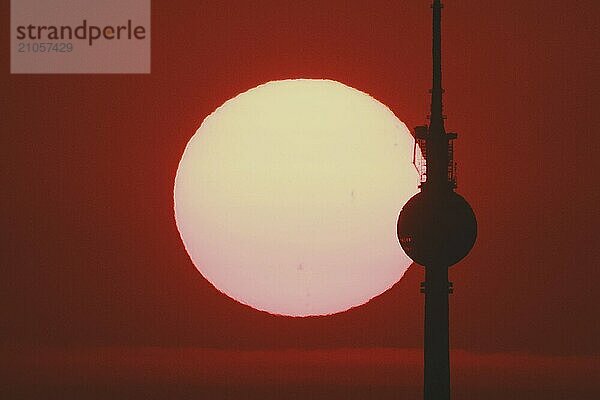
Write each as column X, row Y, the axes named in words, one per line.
column 287, row 197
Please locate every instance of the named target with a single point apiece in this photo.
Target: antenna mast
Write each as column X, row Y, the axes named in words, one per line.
column 436, row 117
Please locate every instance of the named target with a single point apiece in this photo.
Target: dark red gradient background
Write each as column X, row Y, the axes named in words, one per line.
column 94, row 273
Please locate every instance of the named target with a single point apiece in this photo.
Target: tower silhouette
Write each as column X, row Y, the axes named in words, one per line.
column 436, row 227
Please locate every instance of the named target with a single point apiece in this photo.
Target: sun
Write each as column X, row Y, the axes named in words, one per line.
column 287, row 197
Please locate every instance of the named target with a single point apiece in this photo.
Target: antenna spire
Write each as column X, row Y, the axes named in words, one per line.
column 436, row 117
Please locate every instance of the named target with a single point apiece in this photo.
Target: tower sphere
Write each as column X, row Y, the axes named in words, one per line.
column 437, row 229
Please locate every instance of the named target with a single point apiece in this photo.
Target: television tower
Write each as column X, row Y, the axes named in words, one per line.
column 436, row 227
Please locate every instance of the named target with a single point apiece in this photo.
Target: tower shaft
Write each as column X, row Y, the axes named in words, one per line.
column 436, row 349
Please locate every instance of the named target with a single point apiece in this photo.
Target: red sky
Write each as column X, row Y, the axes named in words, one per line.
column 382, row 373
column 91, row 258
